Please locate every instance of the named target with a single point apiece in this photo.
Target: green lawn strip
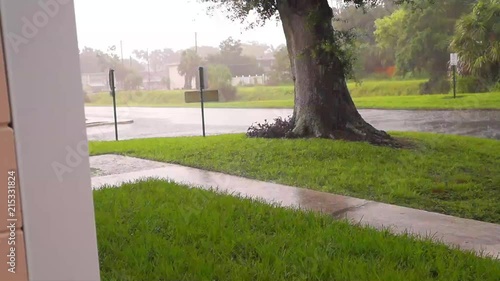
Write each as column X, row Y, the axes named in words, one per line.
column 257, row 93
column 154, row 230
column 463, row 101
column 453, row 175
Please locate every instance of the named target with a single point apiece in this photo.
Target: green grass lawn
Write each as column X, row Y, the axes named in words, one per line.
column 258, row 93
column 453, row 175
column 155, row 230
column 463, row 101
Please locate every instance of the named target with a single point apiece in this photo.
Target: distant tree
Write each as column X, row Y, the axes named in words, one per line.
column 361, row 23
column 219, row 77
column 423, row 39
column 112, row 61
column 89, row 62
column 133, row 81
column 230, row 55
column 165, row 81
column 281, row 71
column 141, row 55
column 320, row 65
column 255, row 49
column 205, row 51
column 387, row 34
column 188, row 67
column 477, row 40
column 134, row 64
column 159, row 59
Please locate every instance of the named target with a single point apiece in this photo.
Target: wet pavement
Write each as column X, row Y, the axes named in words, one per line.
column 464, row 233
column 106, row 122
column 172, row 122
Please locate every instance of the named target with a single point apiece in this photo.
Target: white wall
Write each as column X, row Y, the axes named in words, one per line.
column 248, row 80
column 177, row 80
column 48, row 118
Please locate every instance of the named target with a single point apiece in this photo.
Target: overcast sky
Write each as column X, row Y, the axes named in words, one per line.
column 156, row 24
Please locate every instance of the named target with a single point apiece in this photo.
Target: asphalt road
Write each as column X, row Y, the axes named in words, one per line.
column 171, row 122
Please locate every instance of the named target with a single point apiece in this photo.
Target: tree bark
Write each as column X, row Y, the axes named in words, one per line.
column 323, row 105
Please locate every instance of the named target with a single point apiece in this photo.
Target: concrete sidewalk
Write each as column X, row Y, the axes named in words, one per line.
column 464, row 233
column 105, row 122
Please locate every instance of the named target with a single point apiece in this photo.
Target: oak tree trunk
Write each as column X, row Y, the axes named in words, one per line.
column 323, row 105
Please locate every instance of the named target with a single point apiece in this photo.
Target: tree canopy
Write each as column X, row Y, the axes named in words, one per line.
column 190, row 61
column 477, row 40
column 231, row 55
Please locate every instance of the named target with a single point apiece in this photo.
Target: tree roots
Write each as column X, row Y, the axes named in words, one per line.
column 360, row 132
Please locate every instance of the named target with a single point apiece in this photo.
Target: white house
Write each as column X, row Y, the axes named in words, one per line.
column 177, row 80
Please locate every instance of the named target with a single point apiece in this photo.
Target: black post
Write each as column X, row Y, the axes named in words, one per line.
column 113, row 94
column 454, row 81
column 202, row 85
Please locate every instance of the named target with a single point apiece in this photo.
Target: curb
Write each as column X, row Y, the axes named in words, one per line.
column 106, row 123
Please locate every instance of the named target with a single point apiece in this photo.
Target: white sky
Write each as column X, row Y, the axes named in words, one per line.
column 157, row 24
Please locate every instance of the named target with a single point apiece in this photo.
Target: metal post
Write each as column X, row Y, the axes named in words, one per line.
column 454, row 81
column 202, row 112
column 149, row 71
column 113, row 94
column 196, row 42
column 202, row 85
column 121, row 49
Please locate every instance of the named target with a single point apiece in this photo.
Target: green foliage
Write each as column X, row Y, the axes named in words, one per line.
column 86, row 98
column 361, row 22
column 281, row 70
column 336, row 49
column 188, row 67
column 477, row 40
column 471, row 84
column 230, row 55
column 387, row 32
column 447, row 174
column 133, row 81
column 166, row 82
column 419, row 39
column 219, row 77
column 437, row 85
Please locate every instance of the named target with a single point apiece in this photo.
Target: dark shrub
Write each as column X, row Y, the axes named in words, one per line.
column 435, row 86
column 86, row 97
column 471, row 84
column 281, row 128
column 227, row 92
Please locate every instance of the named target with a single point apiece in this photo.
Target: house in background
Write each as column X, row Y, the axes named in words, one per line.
column 154, row 81
column 95, row 82
column 266, row 62
column 248, row 78
column 177, row 80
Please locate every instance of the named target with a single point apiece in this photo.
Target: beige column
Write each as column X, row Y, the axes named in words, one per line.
column 48, row 121
column 12, row 250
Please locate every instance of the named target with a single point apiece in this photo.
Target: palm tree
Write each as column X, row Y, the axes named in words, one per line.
column 188, row 67
column 477, row 40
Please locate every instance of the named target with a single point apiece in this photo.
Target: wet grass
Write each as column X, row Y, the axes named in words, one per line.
column 254, row 100
column 254, row 94
column 156, row 230
column 462, row 101
column 453, row 175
